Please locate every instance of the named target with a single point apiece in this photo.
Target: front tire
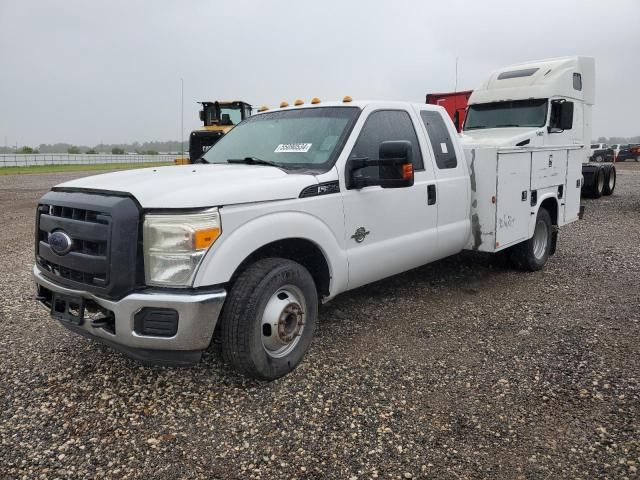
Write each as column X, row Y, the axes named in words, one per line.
column 532, row 254
column 269, row 318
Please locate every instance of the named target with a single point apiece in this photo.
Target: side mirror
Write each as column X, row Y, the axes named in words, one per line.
column 561, row 118
column 202, row 115
column 395, row 169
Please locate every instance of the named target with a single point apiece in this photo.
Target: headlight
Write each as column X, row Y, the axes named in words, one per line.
column 175, row 244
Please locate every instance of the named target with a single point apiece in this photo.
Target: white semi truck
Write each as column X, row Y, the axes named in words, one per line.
column 546, row 102
column 291, row 208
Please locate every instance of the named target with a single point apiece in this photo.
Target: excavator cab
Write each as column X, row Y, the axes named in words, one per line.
column 217, row 118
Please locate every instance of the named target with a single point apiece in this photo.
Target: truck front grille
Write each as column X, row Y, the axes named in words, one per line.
column 103, row 229
column 90, row 231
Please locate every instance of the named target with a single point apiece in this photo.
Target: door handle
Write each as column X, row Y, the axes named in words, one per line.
column 431, row 194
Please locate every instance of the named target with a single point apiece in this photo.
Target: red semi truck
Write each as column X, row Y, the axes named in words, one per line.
column 455, row 103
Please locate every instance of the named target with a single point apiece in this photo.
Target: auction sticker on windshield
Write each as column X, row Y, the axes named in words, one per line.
column 292, row 148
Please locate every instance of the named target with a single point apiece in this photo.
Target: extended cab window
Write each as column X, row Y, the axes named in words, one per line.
column 382, row 126
column 440, row 139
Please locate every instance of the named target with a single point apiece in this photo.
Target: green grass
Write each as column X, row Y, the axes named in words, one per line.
column 78, row 168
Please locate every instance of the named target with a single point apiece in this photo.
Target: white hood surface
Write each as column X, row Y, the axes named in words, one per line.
column 501, row 137
column 197, row 186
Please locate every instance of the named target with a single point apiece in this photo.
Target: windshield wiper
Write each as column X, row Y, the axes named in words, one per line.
column 507, row 125
column 253, row 161
column 477, row 127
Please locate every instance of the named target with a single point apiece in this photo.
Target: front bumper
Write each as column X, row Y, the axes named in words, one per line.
column 197, row 317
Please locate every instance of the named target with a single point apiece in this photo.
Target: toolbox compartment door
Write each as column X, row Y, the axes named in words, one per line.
column 513, row 198
column 573, row 187
column 548, row 168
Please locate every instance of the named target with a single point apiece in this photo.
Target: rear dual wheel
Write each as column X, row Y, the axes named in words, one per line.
column 533, row 254
column 596, row 189
column 610, row 181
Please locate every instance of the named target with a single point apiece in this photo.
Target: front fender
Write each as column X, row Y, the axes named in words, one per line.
column 231, row 250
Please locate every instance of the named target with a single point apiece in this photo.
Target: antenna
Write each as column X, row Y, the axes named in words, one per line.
column 455, row 88
column 181, row 117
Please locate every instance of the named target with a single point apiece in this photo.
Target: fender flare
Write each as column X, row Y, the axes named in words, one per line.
column 226, row 255
column 534, row 215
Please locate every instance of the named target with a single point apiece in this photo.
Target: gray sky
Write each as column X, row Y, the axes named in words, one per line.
column 83, row 71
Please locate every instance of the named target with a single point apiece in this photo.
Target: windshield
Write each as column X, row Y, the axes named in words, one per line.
column 303, row 138
column 517, row 113
column 229, row 115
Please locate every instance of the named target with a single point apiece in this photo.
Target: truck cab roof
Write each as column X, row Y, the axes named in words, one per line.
column 357, row 103
column 571, row 77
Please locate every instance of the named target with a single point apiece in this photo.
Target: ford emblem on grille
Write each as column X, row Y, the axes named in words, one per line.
column 60, row 242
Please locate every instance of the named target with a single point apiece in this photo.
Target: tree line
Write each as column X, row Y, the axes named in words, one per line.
column 620, row 140
column 145, row 148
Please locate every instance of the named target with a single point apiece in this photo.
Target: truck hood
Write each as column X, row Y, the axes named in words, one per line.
column 501, row 137
column 196, row 186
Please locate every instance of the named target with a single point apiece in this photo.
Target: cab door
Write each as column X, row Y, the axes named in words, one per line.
column 454, row 203
column 389, row 230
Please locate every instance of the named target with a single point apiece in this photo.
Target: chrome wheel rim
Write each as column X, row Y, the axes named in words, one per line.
column 283, row 321
column 600, row 182
column 612, row 180
column 540, row 239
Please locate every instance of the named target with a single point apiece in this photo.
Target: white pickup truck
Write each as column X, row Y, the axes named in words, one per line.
column 290, row 208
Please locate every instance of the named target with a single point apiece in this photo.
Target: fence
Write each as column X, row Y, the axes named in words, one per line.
column 29, row 160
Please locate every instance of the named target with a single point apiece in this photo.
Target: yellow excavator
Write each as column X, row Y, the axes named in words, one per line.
column 217, row 118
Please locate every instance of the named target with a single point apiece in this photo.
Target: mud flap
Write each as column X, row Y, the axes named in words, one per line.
column 554, row 240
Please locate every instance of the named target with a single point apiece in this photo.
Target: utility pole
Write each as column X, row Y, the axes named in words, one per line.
column 181, row 117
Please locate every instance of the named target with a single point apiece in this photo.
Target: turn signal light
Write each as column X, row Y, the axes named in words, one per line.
column 263, row 108
column 298, row 102
column 347, row 99
column 204, row 238
column 407, row 171
column 284, row 104
column 315, row 100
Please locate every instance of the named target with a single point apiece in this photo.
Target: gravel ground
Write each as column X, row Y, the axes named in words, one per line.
column 460, row 369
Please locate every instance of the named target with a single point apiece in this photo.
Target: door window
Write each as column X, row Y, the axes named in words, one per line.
column 440, row 139
column 382, row 126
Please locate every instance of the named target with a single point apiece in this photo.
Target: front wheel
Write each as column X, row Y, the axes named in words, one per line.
column 269, row 318
column 533, row 254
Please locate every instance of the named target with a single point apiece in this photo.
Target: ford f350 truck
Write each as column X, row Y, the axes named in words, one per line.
column 289, row 209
